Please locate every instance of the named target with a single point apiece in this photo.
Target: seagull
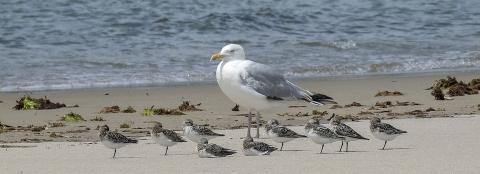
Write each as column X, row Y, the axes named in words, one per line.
column 251, row 148
column 113, row 140
column 195, row 132
column 344, row 130
column 164, row 137
column 280, row 134
column 256, row 86
column 206, row 150
column 320, row 134
column 384, row 131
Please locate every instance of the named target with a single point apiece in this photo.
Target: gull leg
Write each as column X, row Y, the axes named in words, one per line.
column 166, row 150
column 258, row 125
column 341, row 147
column 322, row 148
column 249, row 123
column 384, row 145
column 347, row 147
column 281, row 147
column 114, row 152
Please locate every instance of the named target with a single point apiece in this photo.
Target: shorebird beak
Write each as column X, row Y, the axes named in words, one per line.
column 333, row 115
column 216, row 56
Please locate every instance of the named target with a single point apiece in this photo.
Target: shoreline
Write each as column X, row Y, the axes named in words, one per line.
column 217, row 107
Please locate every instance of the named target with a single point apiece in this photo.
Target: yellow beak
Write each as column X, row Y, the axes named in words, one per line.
column 216, row 56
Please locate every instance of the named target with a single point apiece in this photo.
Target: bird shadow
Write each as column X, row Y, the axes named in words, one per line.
column 131, row 157
column 353, row 151
column 400, row 148
column 291, row 150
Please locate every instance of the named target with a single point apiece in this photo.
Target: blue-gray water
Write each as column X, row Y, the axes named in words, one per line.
column 65, row 44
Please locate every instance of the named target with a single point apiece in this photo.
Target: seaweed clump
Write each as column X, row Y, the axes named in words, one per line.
column 185, row 106
column 161, row 111
column 388, row 93
column 113, row 109
column 72, row 117
column 454, row 87
column 28, row 103
column 129, row 110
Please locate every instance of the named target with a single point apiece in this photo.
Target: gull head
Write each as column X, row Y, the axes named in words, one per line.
column 230, row 52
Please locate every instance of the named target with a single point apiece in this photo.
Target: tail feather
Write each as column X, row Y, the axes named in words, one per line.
column 321, row 99
column 132, row 141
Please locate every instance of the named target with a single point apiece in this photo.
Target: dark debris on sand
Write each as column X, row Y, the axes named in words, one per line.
column 37, row 104
column 454, row 87
column 185, row 106
column 388, row 93
column 236, row 108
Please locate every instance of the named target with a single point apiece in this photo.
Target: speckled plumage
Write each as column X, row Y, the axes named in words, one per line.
column 344, row 130
column 384, row 131
column 113, row 140
column 320, row 134
column 164, row 137
column 195, row 132
column 206, row 150
column 251, row 148
column 280, row 134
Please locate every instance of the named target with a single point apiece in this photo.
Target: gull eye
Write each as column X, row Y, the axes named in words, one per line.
column 232, row 51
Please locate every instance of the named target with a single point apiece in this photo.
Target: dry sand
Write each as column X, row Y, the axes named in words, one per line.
column 438, row 145
column 433, row 145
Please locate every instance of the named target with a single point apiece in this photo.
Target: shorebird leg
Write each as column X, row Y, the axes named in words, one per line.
column 249, row 123
column 281, row 147
column 347, row 146
column 322, row 148
column 166, row 150
column 114, row 152
column 384, row 145
column 341, row 147
column 258, row 125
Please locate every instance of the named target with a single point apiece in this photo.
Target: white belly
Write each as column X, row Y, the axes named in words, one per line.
column 112, row 145
column 319, row 139
column 278, row 139
column 162, row 140
column 348, row 139
column 253, row 152
column 229, row 81
column 204, row 154
column 193, row 135
column 383, row 136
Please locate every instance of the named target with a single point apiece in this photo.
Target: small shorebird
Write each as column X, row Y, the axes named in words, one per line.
column 206, row 150
column 280, row 134
column 256, row 86
column 320, row 134
column 344, row 130
column 195, row 132
column 251, row 148
column 113, row 140
column 384, row 131
column 164, row 137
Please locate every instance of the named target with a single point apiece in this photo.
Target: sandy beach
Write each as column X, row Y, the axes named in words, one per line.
column 432, row 144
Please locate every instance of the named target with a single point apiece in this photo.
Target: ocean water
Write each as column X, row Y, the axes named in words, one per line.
column 71, row 44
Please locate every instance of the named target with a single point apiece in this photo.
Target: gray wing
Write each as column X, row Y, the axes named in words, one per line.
column 262, row 147
column 389, row 129
column 267, row 81
column 286, row 132
column 118, row 138
column 218, row 150
column 325, row 132
column 345, row 130
column 173, row 136
column 205, row 131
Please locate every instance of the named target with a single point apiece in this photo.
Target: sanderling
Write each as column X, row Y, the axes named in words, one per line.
column 164, row 137
column 113, row 140
column 206, row 150
column 195, row 132
column 320, row 134
column 344, row 130
column 251, row 148
column 384, row 131
column 280, row 134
